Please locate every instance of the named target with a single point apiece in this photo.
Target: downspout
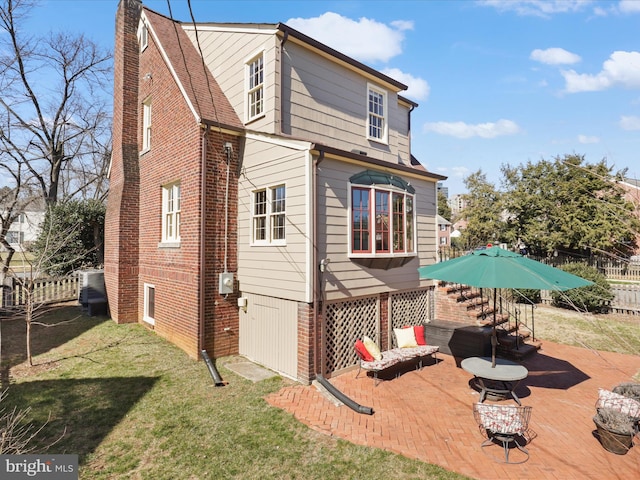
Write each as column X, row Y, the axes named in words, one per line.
column 217, row 379
column 318, row 294
column 317, row 361
column 203, row 206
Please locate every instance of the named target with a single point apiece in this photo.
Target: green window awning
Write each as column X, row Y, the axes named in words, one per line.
column 371, row 177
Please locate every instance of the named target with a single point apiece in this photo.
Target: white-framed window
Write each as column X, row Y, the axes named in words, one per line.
column 15, row 237
column 381, row 222
column 377, row 114
column 443, row 240
column 171, row 194
column 255, row 87
column 149, row 314
column 143, row 35
column 269, row 216
column 146, row 125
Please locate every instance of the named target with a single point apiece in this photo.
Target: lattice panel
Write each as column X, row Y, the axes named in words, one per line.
column 345, row 322
column 413, row 307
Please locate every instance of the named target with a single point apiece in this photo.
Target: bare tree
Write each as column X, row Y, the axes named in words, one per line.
column 55, row 121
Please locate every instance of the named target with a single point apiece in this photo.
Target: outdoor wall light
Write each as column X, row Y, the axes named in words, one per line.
column 323, row 264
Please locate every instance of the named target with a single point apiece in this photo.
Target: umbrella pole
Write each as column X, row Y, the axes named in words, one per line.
column 494, row 336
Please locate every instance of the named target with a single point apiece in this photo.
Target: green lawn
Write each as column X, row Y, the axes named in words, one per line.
column 134, row 406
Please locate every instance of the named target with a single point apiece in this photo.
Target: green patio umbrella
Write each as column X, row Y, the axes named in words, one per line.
column 496, row 268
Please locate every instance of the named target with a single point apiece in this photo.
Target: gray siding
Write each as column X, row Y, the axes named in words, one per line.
column 327, row 103
column 226, row 52
column 279, row 271
column 344, row 277
column 269, row 333
column 307, row 95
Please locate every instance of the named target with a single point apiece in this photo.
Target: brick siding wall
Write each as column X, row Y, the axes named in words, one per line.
column 121, row 223
column 135, row 255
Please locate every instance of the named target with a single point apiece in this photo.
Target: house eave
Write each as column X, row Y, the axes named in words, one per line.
column 355, row 158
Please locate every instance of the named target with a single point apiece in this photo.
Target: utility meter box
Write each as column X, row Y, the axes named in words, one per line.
column 225, row 283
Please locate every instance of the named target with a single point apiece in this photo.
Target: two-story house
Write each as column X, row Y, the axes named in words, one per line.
column 264, row 200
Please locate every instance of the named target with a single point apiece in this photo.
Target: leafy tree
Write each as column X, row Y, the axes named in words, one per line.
column 592, row 298
column 71, row 237
column 567, row 204
column 443, row 206
column 483, row 211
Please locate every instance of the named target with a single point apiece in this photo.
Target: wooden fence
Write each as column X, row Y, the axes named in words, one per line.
column 626, row 299
column 611, row 268
column 45, row 290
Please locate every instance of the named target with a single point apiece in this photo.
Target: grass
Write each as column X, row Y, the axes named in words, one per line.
column 608, row 332
column 133, row 406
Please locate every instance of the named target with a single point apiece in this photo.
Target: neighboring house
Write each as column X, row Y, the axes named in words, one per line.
column 263, row 196
column 25, row 229
column 632, row 188
column 444, row 232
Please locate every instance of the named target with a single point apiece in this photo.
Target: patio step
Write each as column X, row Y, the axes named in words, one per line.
column 473, row 302
column 450, row 289
column 488, row 320
column 468, row 296
column 517, row 348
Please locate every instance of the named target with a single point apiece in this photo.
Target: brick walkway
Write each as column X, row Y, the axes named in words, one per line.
column 427, row 415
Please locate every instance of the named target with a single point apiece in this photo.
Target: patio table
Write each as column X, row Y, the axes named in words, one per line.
column 498, row 381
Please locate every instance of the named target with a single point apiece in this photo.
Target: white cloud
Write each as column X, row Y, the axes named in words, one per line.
column 622, row 68
column 365, row 39
column 629, row 122
column 465, row 130
column 554, row 56
column 629, row 6
column 460, row 171
column 418, row 88
column 537, row 8
column 588, row 139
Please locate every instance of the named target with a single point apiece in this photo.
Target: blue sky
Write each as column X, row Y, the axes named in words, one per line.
column 497, row 81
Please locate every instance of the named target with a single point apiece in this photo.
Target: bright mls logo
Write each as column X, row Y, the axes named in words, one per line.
column 49, row 467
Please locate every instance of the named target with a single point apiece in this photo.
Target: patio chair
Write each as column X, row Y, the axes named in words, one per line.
column 505, row 425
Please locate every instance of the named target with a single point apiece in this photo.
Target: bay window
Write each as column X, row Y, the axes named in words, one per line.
column 381, row 219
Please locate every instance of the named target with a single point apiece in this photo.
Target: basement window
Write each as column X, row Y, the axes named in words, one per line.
column 149, row 315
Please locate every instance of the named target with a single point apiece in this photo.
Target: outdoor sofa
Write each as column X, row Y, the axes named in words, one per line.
column 411, row 346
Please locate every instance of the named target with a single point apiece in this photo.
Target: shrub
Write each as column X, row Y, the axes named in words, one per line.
column 532, row 295
column 71, row 237
column 593, row 298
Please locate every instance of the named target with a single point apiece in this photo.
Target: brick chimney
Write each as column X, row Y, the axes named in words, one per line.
column 122, row 217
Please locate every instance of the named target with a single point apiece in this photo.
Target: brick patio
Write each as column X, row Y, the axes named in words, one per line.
column 427, row 415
